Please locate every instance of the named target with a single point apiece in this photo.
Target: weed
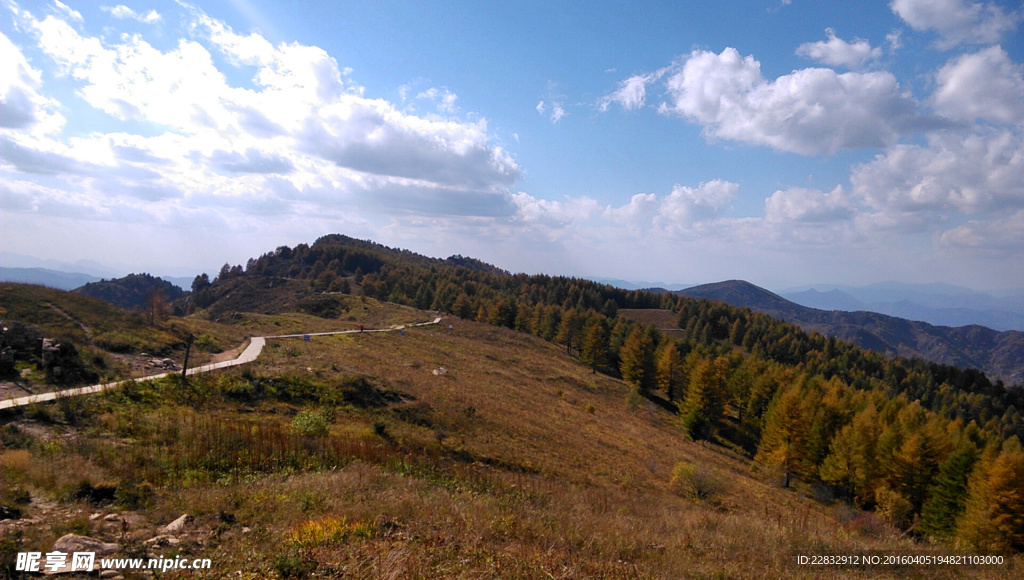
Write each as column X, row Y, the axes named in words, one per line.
column 328, row 530
column 292, row 565
column 313, row 422
column 696, row 481
column 633, row 398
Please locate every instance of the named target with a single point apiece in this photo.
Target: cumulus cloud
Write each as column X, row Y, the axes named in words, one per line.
column 809, row 111
column 972, row 174
column 21, row 105
column 679, row 210
column 808, row 205
column 1000, row 234
column 686, row 205
column 123, row 12
column 299, row 136
column 639, row 211
column 532, row 209
column 837, row 52
column 985, row 85
column 958, row 21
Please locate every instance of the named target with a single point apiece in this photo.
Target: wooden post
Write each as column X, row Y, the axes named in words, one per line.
column 188, row 349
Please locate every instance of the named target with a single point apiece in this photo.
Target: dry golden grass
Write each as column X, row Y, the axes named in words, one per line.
column 517, row 462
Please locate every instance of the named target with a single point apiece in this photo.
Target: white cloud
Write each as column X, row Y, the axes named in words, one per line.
column 300, row 137
column 639, row 211
column 556, row 108
column 680, row 210
column 532, row 209
column 443, row 97
column 972, row 174
column 21, row 105
column 808, row 205
column 687, row 205
column 557, row 112
column 123, row 12
column 984, row 85
column 958, row 21
column 632, row 92
column 837, row 52
column 67, row 11
column 809, row 111
column 1001, row 234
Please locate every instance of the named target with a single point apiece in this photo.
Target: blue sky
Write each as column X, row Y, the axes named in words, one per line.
column 783, row 142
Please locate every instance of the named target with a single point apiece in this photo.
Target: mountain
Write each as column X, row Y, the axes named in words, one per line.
column 938, row 304
column 827, row 300
column 535, row 391
column 998, row 354
column 633, row 285
column 46, row 277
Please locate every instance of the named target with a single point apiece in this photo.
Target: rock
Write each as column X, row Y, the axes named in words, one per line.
column 177, row 525
column 111, row 574
column 95, row 516
column 112, row 518
column 71, row 543
column 163, row 540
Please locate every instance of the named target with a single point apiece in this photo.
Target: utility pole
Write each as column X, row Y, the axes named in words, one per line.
column 184, row 367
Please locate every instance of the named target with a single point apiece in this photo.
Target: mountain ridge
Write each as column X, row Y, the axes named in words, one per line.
column 999, row 354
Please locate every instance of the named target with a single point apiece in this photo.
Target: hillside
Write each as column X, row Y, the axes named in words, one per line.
column 547, row 400
column 998, row 354
column 351, row 455
column 133, row 292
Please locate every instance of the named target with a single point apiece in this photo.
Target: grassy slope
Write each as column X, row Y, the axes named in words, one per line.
column 516, row 463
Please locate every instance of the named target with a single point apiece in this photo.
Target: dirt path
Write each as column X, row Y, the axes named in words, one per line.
column 85, row 329
column 247, row 355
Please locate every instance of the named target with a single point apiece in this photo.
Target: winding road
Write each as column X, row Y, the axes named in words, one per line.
column 248, row 355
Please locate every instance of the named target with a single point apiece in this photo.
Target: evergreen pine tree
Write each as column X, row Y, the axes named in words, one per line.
column 947, row 497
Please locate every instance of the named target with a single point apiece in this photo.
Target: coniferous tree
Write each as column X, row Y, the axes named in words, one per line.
column 851, row 462
column 636, row 355
column 947, row 497
column 705, row 397
column 784, row 439
column 993, row 520
column 669, row 369
column 595, row 345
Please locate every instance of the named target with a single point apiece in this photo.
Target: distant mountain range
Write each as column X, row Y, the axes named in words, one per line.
column 939, row 304
column 46, row 277
column 68, row 280
column 633, row 285
column 998, row 354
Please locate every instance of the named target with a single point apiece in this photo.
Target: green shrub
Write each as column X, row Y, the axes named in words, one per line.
column 313, row 422
column 292, row 565
column 696, row 481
